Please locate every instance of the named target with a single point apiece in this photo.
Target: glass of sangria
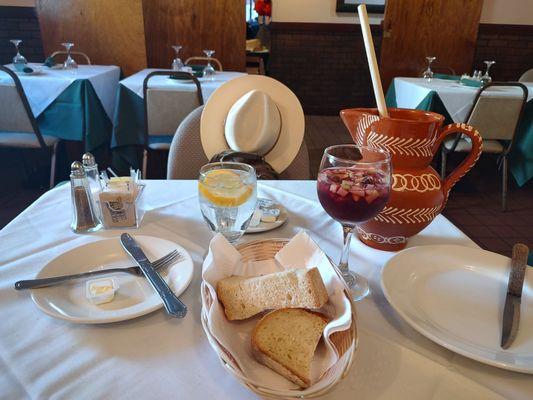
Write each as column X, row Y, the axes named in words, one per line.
column 353, row 186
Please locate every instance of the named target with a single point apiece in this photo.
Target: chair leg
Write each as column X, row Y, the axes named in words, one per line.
column 505, row 181
column 53, row 165
column 145, row 163
column 443, row 164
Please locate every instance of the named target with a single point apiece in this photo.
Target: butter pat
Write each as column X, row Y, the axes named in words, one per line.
column 100, row 291
column 270, row 215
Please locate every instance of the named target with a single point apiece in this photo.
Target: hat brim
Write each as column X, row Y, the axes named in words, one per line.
column 292, row 118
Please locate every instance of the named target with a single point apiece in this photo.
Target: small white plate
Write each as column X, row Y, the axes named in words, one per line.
column 135, row 296
column 268, row 226
column 455, row 296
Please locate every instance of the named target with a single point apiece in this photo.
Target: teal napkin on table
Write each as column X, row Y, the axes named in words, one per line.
column 471, row 82
column 447, row 76
column 49, row 62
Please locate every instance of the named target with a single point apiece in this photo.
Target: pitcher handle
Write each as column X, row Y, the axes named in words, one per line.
column 468, row 162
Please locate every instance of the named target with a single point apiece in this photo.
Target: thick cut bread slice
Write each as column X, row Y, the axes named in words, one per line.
column 285, row 341
column 244, row 297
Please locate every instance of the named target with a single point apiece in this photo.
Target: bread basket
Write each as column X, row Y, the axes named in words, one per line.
column 345, row 341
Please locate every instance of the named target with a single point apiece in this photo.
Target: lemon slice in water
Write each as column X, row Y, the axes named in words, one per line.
column 225, row 188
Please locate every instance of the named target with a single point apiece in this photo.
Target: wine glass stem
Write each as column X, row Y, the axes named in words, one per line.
column 343, row 263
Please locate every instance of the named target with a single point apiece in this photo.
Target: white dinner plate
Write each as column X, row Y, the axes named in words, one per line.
column 455, row 296
column 268, row 226
column 135, row 296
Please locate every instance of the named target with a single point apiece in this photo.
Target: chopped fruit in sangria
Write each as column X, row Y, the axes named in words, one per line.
column 352, row 195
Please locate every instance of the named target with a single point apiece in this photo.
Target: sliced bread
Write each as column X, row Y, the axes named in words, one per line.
column 285, row 341
column 244, row 297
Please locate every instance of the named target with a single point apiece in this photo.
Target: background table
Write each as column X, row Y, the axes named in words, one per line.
column 128, row 130
column 454, row 101
column 159, row 357
column 72, row 104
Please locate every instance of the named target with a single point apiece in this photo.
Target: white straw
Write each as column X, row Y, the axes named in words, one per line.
column 372, row 62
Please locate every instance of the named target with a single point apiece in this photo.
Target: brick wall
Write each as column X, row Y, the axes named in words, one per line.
column 511, row 46
column 325, row 64
column 20, row 23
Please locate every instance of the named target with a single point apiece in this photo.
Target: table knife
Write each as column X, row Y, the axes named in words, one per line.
column 511, row 310
column 173, row 305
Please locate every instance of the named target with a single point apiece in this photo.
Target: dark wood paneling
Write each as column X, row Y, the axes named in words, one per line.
column 110, row 32
column 414, row 29
column 196, row 25
column 17, row 12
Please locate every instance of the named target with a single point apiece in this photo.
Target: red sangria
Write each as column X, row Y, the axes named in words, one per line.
column 353, row 186
column 353, row 194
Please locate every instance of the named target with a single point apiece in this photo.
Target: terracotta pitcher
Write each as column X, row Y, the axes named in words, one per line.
column 417, row 194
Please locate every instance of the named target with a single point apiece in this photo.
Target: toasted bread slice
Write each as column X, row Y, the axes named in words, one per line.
column 244, row 297
column 285, row 341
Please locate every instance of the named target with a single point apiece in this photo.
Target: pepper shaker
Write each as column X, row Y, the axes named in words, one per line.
column 84, row 218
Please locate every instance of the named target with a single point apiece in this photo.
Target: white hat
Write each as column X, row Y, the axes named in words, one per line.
column 254, row 114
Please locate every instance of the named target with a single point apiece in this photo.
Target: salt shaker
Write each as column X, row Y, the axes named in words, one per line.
column 91, row 170
column 84, row 218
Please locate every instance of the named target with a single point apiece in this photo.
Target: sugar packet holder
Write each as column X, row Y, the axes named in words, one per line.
column 121, row 202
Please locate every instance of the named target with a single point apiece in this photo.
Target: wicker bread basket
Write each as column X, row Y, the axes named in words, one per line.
column 345, row 341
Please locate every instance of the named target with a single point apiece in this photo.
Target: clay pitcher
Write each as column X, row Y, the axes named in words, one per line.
column 417, row 194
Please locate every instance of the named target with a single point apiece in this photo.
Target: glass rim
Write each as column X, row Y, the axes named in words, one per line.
column 244, row 167
column 386, row 154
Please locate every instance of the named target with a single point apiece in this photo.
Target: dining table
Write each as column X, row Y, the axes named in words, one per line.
column 128, row 129
column 156, row 356
column 74, row 104
column 454, row 101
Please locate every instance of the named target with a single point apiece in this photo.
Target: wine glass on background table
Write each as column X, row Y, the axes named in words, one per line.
column 19, row 61
column 228, row 195
column 177, row 64
column 486, row 79
column 69, row 61
column 353, row 186
column 428, row 73
column 209, row 71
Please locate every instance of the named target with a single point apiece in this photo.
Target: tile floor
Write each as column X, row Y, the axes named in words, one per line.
column 474, row 204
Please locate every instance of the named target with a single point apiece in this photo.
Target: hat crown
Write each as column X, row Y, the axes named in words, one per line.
column 253, row 123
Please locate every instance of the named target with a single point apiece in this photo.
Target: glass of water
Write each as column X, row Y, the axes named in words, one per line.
column 228, row 195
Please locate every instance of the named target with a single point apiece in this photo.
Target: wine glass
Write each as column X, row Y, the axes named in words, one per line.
column 486, row 79
column 428, row 73
column 353, row 186
column 209, row 71
column 177, row 64
column 69, row 61
column 19, row 61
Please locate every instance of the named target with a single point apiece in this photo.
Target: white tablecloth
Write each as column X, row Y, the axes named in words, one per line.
column 458, row 99
column 135, row 82
column 42, row 89
column 155, row 356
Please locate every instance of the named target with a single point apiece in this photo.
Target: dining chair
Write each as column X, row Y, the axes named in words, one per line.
column 527, row 76
column 72, row 53
column 18, row 127
column 206, row 59
column 165, row 109
column 255, row 65
column 496, row 116
column 186, row 155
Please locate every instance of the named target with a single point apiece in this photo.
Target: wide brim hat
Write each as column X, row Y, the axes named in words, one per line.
column 212, row 125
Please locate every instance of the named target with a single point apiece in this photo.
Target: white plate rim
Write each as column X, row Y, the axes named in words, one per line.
column 133, row 315
column 436, row 338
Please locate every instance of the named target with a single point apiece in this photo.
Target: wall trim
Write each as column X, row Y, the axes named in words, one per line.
column 316, row 27
column 503, row 29
column 17, row 12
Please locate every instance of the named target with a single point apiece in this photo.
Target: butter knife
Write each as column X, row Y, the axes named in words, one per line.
column 511, row 311
column 173, row 305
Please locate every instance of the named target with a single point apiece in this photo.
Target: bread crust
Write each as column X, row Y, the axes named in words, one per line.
column 265, row 359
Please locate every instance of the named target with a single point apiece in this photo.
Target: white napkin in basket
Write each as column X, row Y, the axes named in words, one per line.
column 301, row 252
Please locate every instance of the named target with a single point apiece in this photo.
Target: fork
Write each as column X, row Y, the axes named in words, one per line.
column 166, row 260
